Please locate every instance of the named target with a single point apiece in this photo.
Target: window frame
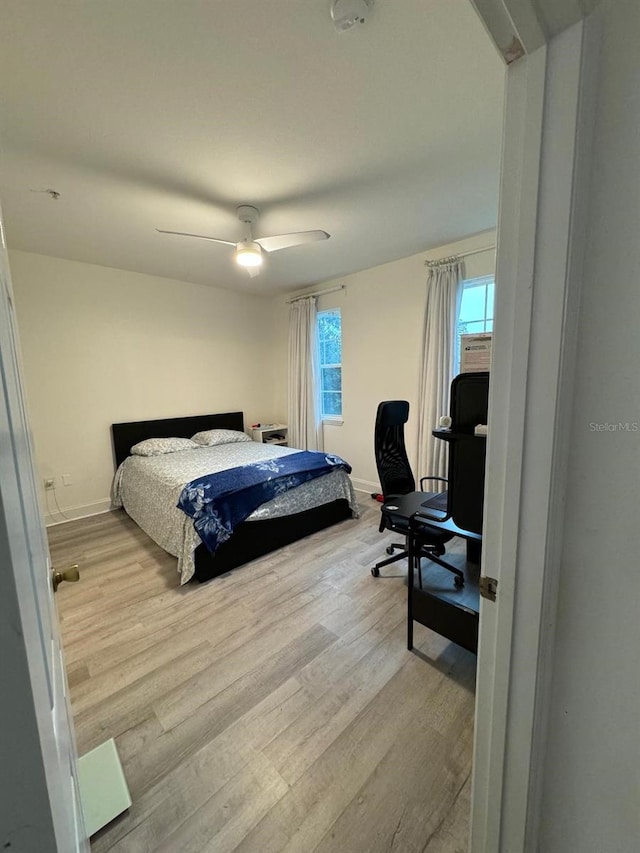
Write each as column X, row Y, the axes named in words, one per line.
column 478, row 281
column 329, row 418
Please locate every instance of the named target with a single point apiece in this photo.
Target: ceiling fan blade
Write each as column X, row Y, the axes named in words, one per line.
column 284, row 241
column 199, row 236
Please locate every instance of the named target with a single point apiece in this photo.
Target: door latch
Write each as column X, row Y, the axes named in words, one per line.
column 488, row 587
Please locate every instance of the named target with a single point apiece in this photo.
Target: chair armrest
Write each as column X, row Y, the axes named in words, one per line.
column 441, row 479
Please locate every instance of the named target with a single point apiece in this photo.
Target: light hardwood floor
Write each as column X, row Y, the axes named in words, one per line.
column 272, row 709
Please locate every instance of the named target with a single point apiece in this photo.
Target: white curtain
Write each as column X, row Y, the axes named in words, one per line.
column 444, row 293
column 305, row 418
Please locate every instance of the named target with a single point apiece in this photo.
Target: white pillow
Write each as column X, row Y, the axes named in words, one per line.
column 211, row 437
column 157, row 446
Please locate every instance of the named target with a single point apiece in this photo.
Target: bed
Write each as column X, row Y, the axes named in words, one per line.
column 148, row 489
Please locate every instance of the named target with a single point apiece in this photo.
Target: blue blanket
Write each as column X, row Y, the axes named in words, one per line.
column 219, row 502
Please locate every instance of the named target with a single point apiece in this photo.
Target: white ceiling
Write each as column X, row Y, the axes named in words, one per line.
column 149, row 114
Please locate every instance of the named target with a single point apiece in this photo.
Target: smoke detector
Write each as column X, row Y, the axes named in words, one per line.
column 347, row 13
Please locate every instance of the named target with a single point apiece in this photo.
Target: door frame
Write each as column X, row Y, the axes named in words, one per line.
column 40, row 806
column 540, row 245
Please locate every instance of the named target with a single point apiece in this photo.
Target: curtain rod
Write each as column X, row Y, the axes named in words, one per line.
column 461, row 255
column 316, row 293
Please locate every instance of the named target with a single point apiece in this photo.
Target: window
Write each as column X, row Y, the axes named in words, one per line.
column 330, row 348
column 476, row 308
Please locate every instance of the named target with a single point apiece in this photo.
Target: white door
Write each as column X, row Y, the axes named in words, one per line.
column 40, row 806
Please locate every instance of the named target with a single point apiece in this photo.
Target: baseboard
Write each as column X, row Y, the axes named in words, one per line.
column 365, row 486
column 71, row 513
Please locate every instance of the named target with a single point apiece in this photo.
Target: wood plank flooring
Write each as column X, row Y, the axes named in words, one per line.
column 272, row 709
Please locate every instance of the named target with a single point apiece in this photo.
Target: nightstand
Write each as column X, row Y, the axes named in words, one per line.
column 271, row 434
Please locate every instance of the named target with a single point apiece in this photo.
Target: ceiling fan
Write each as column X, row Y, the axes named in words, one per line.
column 248, row 252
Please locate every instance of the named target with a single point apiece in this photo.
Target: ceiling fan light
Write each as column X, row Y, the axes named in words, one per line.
column 248, row 254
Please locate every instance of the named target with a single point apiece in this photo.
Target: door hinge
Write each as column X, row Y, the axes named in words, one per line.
column 488, row 587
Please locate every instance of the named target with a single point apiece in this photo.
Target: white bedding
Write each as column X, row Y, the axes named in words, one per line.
column 148, row 487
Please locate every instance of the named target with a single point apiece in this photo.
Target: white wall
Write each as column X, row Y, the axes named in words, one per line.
column 102, row 345
column 382, row 318
column 591, row 782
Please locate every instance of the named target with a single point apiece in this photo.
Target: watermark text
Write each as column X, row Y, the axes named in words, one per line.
column 621, row 426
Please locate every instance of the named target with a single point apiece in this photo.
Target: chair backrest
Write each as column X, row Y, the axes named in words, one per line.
column 394, row 471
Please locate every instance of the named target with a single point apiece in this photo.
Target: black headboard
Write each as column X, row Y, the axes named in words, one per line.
column 126, row 435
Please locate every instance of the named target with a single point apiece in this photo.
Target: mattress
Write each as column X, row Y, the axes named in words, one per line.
column 148, row 488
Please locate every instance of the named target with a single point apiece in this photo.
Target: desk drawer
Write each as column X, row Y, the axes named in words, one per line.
column 454, row 621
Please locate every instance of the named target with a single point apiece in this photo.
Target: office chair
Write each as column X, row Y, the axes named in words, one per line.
column 397, row 480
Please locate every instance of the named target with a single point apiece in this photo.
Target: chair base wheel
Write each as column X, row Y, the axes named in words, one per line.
column 389, row 549
column 458, row 582
column 375, row 572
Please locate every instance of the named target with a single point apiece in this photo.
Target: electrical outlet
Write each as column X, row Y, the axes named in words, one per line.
column 67, row 479
column 49, row 483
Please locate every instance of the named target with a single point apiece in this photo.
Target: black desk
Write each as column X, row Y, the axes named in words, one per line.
column 436, row 507
column 448, row 609
column 451, row 611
